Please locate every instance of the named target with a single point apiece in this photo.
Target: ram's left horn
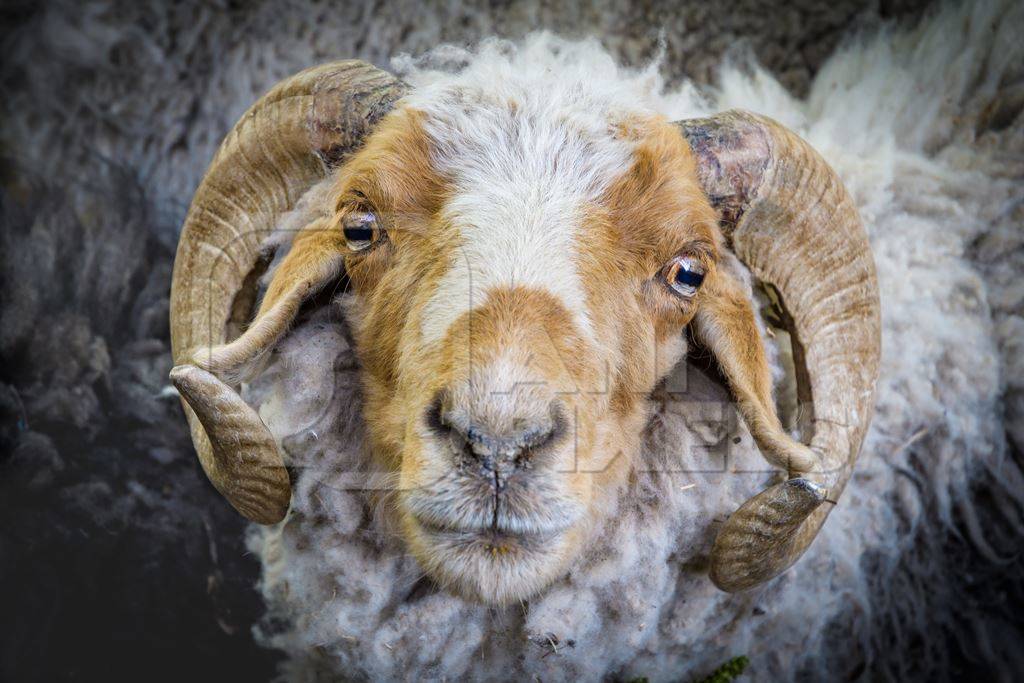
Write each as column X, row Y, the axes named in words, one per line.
column 286, row 142
column 788, row 217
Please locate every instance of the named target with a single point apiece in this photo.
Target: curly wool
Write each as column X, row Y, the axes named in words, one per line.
column 937, row 176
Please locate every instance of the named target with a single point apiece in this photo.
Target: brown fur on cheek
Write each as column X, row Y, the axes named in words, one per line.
column 392, row 176
column 653, row 212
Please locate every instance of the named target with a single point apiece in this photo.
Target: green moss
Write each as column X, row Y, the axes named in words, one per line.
column 728, row 671
column 724, row 674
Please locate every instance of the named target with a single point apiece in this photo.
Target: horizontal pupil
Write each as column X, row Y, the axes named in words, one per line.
column 358, row 234
column 689, row 277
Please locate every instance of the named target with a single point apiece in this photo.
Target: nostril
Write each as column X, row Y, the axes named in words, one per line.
column 435, row 417
column 492, row 446
column 535, row 437
column 448, row 428
column 553, row 427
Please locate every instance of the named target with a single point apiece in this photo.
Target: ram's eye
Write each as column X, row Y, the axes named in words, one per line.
column 684, row 275
column 361, row 229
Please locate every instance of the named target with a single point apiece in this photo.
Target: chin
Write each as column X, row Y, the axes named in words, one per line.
column 490, row 566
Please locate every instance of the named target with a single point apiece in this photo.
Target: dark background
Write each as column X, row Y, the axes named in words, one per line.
column 117, row 558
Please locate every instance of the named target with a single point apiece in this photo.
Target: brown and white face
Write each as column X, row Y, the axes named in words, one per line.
column 521, row 279
column 512, row 314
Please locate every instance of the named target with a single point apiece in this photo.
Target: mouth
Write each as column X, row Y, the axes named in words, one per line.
column 495, row 548
column 496, row 529
column 511, row 515
column 490, row 565
column 490, row 540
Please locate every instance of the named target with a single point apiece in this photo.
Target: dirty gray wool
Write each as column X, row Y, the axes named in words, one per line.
column 117, row 555
column 935, row 507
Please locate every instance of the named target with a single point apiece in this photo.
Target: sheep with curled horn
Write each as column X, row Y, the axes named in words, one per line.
column 503, row 269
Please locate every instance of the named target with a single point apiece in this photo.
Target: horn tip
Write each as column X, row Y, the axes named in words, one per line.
column 809, row 493
column 265, row 499
column 762, row 538
column 254, row 480
column 179, row 374
column 265, row 515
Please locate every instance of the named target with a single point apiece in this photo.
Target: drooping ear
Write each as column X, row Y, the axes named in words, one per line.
column 726, row 325
column 762, row 535
column 243, row 460
column 316, row 257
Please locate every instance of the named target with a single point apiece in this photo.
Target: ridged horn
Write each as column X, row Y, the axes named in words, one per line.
column 788, row 217
column 286, row 142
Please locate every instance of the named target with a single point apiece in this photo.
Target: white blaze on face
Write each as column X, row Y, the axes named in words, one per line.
column 510, row 237
column 523, row 176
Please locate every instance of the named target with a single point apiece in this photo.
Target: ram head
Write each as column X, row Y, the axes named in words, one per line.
column 522, row 272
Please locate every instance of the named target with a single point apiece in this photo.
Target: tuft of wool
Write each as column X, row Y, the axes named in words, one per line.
column 925, row 129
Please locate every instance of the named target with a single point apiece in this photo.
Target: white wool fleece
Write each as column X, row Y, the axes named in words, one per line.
column 916, row 124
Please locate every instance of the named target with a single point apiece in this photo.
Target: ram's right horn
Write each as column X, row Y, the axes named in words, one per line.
column 289, row 140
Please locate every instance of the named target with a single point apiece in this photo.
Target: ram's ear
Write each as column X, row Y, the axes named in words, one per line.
column 316, row 258
column 238, row 452
column 726, row 325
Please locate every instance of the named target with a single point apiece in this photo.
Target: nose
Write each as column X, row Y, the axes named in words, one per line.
column 498, row 448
